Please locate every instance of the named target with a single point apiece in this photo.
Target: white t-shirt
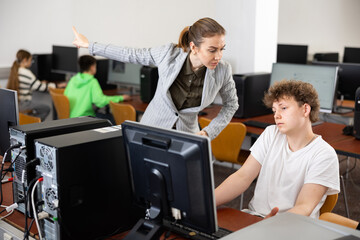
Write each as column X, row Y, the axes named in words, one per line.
column 283, row 172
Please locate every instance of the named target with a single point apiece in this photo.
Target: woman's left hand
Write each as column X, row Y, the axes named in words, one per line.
column 202, row 133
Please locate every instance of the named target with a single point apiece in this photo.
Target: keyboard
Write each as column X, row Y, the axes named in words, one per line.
column 195, row 234
column 253, row 123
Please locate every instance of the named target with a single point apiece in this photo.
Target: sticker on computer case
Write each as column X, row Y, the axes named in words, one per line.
column 107, row 129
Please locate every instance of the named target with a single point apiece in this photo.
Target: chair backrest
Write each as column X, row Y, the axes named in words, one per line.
column 122, row 112
column 329, row 203
column 62, row 105
column 27, row 119
column 338, row 219
column 57, row 90
column 226, row 146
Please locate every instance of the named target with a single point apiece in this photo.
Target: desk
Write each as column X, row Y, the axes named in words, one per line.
column 228, row 218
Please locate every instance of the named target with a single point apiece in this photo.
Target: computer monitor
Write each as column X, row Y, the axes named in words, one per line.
column 172, row 177
column 124, row 74
column 287, row 53
column 351, row 55
column 324, row 80
column 64, row 59
column 9, row 116
column 349, row 78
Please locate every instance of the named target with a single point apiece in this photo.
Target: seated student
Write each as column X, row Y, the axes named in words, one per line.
column 83, row 90
column 296, row 168
column 23, row 81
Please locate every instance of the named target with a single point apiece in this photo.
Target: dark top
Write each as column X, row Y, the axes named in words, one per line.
column 186, row 91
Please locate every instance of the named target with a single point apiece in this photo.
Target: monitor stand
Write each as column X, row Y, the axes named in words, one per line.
column 151, row 227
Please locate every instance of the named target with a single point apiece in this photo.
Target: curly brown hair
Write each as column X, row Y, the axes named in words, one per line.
column 302, row 92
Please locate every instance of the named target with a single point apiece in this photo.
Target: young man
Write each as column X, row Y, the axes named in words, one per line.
column 296, row 168
column 83, row 90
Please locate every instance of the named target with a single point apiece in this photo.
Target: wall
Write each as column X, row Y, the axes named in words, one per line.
column 323, row 25
column 38, row 24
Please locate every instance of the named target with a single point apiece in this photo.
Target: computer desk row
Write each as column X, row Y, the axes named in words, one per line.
column 228, row 218
column 330, row 132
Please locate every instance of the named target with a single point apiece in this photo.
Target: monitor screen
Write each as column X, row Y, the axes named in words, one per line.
column 172, row 172
column 9, row 116
column 351, row 55
column 291, row 53
column 124, row 74
column 65, row 59
column 324, row 80
column 349, row 78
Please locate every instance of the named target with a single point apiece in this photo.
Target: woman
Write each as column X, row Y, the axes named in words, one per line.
column 23, row 81
column 191, row 74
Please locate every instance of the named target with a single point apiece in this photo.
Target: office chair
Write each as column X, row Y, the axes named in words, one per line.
column 329, row 203
column 122, row 112
column 227, row 145
column 27, row 119
column 62, row 105
column 338, row 219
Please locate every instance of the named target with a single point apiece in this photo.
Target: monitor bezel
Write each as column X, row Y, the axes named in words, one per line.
column 334, row 97
column 156, row 131
column 7, row 93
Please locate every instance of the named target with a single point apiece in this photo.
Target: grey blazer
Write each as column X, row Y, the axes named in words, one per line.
column 169, row 59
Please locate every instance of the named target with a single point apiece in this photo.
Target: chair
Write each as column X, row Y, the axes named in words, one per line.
column 57, row 90
column 122, row 112
column 227, row 145
column 329, row 203
column 27, row 119
column 338, row 219
column 62, row 104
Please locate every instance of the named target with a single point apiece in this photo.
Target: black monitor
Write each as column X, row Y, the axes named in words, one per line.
column 172, row 177
column 324, row 80
column 64, row 59
column 351, row 55
column 287, row 53
column 9, row 116
column 349, row 78
column 41, row 67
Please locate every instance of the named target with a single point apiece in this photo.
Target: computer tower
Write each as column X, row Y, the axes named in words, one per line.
column 102, row 74
column 357, row 114
column 148, row 82
column 41, row 67
column 26, row 135
column 86, row 185
column 250, row 90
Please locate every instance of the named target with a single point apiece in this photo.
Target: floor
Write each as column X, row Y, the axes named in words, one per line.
column 351, row 182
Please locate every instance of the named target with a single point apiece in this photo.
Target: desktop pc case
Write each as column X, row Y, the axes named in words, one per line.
column 148, row 82
column 26, row 135
column 86, row 185
column 250, row 91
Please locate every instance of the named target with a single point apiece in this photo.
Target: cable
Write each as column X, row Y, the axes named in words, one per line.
column 34, row 207
column 9, row 209
column 27, row 230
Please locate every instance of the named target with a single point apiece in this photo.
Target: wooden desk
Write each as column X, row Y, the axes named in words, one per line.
column 228, row 218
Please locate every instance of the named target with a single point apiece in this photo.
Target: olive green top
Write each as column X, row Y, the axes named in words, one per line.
column 186, row 91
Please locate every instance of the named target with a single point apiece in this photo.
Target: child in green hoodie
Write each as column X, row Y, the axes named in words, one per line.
column 83, row 90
